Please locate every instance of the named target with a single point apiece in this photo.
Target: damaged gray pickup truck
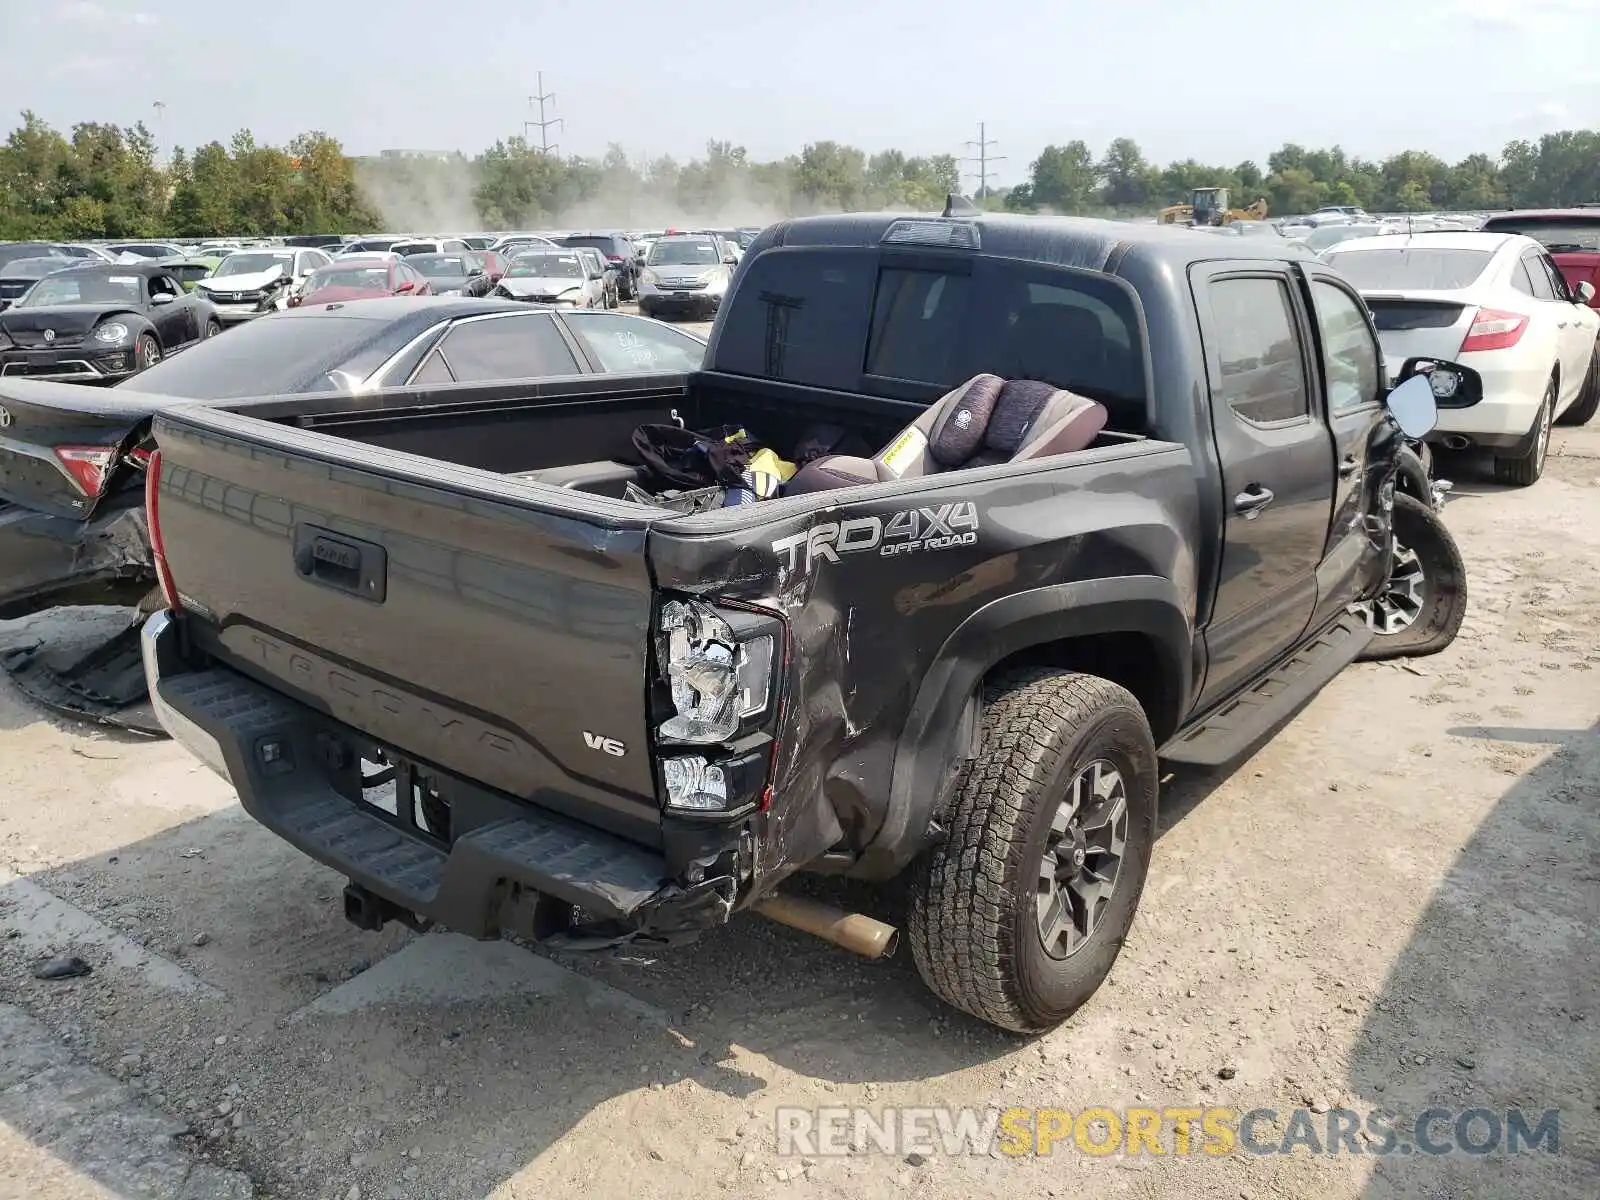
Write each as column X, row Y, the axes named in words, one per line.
column 1135, row 496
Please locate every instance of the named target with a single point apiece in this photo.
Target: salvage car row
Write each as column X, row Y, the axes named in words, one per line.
column 640, row 555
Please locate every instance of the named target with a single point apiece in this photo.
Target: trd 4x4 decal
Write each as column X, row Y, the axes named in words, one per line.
column 906, row 532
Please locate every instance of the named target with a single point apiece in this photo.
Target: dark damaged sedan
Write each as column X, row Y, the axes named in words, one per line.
column 72, row 526
column 99, row 323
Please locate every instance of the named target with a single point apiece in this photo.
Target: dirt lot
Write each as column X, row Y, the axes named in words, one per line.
column 1392, row 904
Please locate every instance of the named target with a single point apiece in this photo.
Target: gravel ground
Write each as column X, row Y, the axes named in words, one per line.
column 1391, row 904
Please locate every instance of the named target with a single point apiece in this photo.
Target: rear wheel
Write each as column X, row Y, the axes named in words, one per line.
column 1017, row 916
column 1524, row 469
column 1421, row 608
column 213, row 327
column 1588, row 399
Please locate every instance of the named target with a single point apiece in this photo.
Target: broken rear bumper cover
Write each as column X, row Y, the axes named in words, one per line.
column 47, row 560
column 511, row 871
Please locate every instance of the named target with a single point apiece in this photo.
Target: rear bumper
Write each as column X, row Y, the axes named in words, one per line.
column 47, row 560
column 1503, row 419
column 679, row 302
column 509, row 866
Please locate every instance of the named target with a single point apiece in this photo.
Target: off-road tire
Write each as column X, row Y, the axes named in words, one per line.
column 1444, row 587
column 1524, row 470
column 1589, row 399
column 973, row 926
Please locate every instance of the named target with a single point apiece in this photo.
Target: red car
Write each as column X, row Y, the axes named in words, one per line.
column 361, row 279
column 494, row 265
column 1572, row 235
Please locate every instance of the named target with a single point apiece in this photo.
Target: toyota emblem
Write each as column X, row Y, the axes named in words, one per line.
column 5, row 418
column 49, row 335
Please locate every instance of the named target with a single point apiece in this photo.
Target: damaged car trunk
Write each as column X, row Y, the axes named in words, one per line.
column 73, row 531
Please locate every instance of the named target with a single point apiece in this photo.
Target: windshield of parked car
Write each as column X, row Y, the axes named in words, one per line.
column 373, row 278
column 545, row 266
column 686, row 253
column 82, row 287
column 1413, row 267
column 406, row 249
column 35, row 268
column 441, row 266
column 1568, row 236
column 254, row 264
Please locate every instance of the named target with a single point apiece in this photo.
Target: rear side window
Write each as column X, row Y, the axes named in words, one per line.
column 1540, row 281
column 621, row 342
column 1558, row 281
column 1262, row 375
column 513, row 347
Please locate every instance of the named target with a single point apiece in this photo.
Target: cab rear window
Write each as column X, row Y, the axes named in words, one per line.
column 911, row 325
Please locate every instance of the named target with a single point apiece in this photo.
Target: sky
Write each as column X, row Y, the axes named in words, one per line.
column 1218, row 82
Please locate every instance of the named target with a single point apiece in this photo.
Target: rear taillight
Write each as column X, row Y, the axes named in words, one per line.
column 86, row 466
column 1493, row 329
column 158, row 545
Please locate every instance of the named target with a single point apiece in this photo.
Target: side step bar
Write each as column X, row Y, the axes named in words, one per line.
column 1226, row 733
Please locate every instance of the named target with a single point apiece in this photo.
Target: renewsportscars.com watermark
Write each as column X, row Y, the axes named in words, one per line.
column 1177, row 1131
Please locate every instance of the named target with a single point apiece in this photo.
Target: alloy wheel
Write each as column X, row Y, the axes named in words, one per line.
column 1082, row 858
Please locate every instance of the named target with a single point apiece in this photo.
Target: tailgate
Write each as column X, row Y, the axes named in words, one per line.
column 60, row 441
column 492, row 628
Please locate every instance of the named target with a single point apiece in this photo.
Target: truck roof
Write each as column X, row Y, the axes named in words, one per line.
column 1084, row 242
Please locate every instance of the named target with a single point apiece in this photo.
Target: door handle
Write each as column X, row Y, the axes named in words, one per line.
column 1251, row 501
column 1348, row 466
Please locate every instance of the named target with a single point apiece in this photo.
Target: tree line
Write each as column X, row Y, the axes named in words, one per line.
column 107, row 181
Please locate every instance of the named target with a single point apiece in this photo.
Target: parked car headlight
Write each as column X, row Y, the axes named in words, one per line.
column 718, row 676
column 111, row 333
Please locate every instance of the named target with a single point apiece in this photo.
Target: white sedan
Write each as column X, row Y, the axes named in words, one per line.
column 1496, row 303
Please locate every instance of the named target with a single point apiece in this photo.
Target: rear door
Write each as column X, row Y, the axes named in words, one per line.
column 1573, row 331
column 1277, row 466
column 1554, row 314
column 1350, row 365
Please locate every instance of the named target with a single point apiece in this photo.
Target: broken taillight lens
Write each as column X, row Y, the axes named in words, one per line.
column 86, row 466
column 158, row 544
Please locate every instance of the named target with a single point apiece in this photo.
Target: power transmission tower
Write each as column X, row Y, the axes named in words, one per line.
column 983, row 158
column 543, row 124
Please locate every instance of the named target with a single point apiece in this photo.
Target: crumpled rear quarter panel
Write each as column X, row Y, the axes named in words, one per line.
column 871, row 602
